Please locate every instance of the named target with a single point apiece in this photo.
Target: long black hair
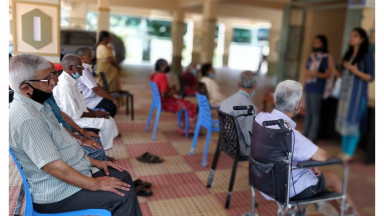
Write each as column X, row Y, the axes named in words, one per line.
column 324, row 42
column 102, row 36
column 363, row 49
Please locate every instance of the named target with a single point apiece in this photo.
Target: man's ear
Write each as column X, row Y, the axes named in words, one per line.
column 25, row 88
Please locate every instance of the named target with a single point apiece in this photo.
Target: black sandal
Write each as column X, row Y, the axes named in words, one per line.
column 145, row 184
column 148, row 158
column 141, row 191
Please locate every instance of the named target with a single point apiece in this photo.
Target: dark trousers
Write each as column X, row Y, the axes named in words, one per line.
column 312, row 116
column 108, row 105
column 85, row 199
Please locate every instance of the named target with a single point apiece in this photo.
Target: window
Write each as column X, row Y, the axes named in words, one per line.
column 242, row 35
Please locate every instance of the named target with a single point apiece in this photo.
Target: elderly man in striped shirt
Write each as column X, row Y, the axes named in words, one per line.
column 58, row 171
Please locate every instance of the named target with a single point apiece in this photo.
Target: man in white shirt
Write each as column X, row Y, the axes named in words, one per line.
column 70, row 101
column 94, row 95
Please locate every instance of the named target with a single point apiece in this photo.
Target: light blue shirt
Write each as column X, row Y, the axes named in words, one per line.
column 37, row 139
column 302, row 150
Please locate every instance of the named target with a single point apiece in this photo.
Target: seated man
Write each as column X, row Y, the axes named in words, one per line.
column 89, row 140
column 306, row 183
column 214, row 94
column 57, row 168
column 243, row 97
column 94, row 95
column 71, row 102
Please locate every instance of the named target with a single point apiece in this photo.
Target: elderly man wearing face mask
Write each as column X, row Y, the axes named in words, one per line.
column 56, row 167
column 71, row 101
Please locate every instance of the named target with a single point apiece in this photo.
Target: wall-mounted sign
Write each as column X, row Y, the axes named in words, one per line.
column 36, row 28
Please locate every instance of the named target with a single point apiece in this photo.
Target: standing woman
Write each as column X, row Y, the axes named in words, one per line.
column 357, row 71
column 317, row 72
column 106, row 63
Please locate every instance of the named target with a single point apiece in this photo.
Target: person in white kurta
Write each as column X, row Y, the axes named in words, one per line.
column 70, row 101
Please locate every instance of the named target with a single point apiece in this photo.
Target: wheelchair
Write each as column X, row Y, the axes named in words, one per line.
column 270, row 169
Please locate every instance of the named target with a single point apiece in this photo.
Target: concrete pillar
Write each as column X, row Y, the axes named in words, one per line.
column 177, row 41
column 209, row 28
column 36, row 28
column 228, row 35
column 77, row 15
column 103, row 17
column 197, row 39
column 273, row 57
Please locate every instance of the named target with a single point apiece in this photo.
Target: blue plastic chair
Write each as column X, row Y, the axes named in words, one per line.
column 156, row 104
column 29, row 211
column 204, row 119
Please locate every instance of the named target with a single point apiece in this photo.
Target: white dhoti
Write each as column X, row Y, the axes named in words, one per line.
column 107, row 127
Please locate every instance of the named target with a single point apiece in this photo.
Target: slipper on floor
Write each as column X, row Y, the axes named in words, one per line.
column 148, row 158
column 141, row 191
column 145, row 184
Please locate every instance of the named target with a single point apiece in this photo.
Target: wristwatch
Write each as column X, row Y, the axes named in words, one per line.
column 81, row 130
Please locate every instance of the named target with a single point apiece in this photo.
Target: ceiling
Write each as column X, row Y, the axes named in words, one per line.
column 190, row 5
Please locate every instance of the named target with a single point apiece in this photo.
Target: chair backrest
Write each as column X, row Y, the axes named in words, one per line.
column 228, row 138
column 270, row 161
column 28, row 211
column 156, row 100
column 104, row 81
column 204, row 117
column 203, row 89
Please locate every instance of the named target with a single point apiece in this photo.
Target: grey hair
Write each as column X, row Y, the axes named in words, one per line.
column 24, row 67
column 288, row 95
column 247, row 79
column 69, row 59
column 82, row 51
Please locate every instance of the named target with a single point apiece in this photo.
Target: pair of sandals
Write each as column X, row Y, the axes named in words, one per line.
column 148, row 158
column 142, row 188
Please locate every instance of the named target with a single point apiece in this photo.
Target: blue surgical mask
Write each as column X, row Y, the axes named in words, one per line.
column 212, row 75
column 253, row 93
column 76, row 75
column 194, row 71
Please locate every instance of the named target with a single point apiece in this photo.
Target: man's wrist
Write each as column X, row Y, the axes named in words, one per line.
column 81, row 131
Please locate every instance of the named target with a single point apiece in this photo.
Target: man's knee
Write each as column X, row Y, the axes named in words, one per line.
column 123, row 176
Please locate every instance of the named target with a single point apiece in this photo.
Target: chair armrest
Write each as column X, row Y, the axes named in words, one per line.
column 312, row 163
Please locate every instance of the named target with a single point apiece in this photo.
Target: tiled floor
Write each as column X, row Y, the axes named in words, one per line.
column 179, row 182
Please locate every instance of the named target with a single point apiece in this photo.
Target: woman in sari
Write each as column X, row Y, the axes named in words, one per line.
column 357, row 71
column 106, row 63
column 168, row 102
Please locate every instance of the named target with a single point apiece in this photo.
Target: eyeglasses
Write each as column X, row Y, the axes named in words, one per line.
column 78, row 66
column 53, row 73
